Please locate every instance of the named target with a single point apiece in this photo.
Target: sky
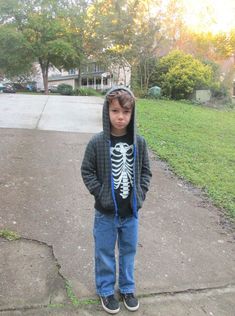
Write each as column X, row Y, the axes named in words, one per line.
column 210, row 15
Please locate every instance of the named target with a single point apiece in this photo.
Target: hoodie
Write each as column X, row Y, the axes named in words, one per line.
column 96, row 166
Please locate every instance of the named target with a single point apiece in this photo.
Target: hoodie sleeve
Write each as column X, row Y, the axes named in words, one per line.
column 88, row 170
column 146, row 173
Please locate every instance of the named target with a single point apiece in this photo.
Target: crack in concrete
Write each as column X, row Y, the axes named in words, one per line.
column 25, row 308
column 172, row 295
column 51, row 249
column 208, row 291
column 57, row 267
column 39, row 119
column 52, row 252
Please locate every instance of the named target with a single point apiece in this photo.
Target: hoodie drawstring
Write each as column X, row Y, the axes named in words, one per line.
column 112, row 188
column 135, row 212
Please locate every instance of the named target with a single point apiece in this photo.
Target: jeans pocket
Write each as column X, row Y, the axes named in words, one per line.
column 98, row 214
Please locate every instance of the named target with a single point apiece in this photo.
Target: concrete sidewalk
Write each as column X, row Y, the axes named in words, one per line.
column 185, row 263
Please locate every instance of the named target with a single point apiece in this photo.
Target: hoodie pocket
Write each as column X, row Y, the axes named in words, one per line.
column 100, row 193
column 140, row 197
column 105, row 198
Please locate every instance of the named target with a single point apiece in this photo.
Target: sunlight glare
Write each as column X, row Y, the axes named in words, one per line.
column 210, row 15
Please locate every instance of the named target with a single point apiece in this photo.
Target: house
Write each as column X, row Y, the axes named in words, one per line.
column 93, row 75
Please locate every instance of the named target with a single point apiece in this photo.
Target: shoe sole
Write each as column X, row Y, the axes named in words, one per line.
column 131, row 309
column 110, row 311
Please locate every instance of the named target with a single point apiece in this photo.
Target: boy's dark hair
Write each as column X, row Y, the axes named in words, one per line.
column 125, row 99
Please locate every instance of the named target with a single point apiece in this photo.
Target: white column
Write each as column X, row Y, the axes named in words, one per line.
column 101, row 83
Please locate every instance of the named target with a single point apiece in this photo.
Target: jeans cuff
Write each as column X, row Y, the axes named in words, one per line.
column 105, row 294
column 127, row 291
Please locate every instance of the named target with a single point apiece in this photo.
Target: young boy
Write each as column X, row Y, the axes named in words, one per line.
column 116, row 171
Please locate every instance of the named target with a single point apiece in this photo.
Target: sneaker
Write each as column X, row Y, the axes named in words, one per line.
column 110, row 304
column 130, row 302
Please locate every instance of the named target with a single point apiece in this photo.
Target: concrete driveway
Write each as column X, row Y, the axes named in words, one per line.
column 186, row 260
column 52, row 112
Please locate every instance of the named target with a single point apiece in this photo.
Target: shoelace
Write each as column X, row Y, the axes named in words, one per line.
column 107, row 299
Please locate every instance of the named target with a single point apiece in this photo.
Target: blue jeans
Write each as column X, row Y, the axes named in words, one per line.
column 106, row 234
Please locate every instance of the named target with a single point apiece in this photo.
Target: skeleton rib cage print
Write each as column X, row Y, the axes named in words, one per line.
column 122, row 167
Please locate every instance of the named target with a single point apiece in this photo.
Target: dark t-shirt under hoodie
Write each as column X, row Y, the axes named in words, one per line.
column 122, row 158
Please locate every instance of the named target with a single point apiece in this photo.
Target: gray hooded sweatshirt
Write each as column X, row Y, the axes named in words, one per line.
column 96, row 166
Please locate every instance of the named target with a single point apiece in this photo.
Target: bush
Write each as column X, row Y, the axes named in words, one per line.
column 140, row 93
column 86, row 92
column 219, row 91
column 154, row 92
column 105, row 91
column 65, row 89
column 180, row 74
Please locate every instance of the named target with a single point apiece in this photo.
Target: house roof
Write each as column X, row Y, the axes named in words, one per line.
column 84, row 75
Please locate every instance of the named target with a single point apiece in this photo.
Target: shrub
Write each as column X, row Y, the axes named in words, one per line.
column 219, row 91
column 154, row 93
column 105, row 91
column 179, row 74
column 65, row 89
column 140, row 93
column 86, row 91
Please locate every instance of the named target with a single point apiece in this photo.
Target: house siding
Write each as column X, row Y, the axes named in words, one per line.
column 94, row 76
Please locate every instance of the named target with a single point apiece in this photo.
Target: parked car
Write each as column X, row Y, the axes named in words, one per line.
column 53, row 88
column 19, row 87
column 31, row 87
column 9, row 88
column 1, row 87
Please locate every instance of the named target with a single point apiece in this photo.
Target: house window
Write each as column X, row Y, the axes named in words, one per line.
column 91, row 81
column 84, row 69
column 98, row 80
column 99, row 68
column 72, row 72
column 84, row 81
column 91, row 67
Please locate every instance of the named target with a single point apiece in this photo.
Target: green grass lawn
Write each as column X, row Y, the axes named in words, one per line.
column 197, row 142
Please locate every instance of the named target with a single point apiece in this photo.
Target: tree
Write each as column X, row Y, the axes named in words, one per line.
column 179, row 75
column 15, row 51
column 48, row 31
column 224, row 48
column 119, row 30
column 145, row 42
column 172, row 23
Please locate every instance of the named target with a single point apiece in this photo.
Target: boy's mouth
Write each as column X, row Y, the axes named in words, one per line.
column 120, row 124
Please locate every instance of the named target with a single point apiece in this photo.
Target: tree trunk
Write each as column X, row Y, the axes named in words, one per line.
column 125, row 79
column 44, row 68
column 79, row 77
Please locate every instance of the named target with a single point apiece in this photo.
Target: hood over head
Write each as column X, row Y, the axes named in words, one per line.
column 106, row 121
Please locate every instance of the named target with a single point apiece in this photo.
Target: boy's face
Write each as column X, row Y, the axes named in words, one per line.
column 119, row 118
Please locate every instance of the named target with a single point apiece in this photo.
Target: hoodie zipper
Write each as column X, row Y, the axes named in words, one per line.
column 112, row 183
column 135, row 213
